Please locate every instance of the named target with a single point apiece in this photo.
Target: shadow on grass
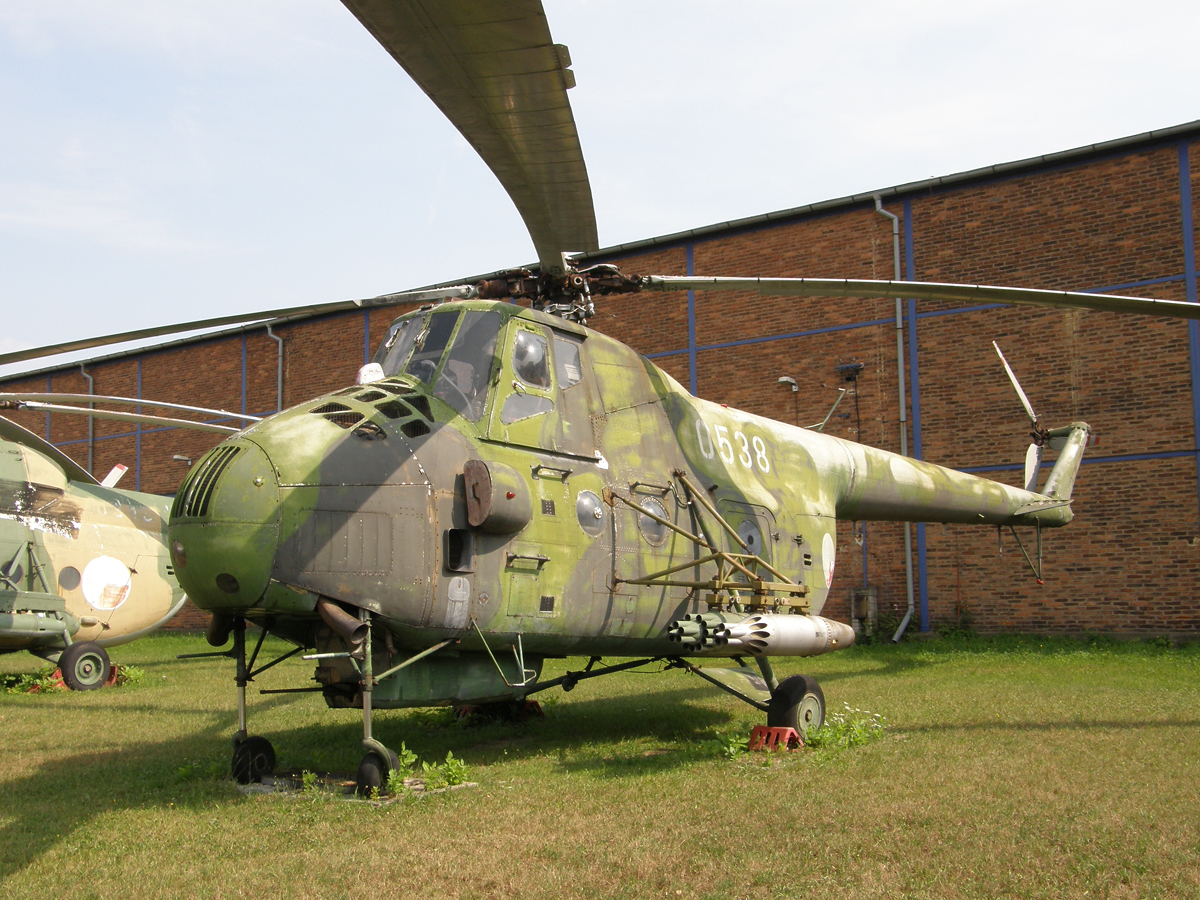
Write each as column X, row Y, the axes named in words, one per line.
column 60, row 800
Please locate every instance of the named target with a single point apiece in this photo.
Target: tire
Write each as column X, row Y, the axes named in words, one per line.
column 252, row 759
column 797, row 703
column 372, row 774
column 84, row 666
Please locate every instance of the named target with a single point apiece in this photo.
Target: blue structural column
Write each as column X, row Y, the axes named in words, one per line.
column 914, row 391
column 366, row 336
column 137, row 465
column 243, row 373
column 691, row 270
column 1189, row 280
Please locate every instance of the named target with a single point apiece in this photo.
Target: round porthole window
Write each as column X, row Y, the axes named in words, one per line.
column 748, row 532
column 654, row 532
column 589, row 510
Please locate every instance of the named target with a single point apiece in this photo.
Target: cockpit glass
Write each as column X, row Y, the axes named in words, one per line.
column 428, row 351
column 464, row 379
column 393, row 352
column 531, row 359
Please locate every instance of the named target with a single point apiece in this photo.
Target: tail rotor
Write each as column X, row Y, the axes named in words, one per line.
column 1033, row 456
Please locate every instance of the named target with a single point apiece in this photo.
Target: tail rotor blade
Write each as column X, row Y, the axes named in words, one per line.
column 1033, row 418
column 1033, row 465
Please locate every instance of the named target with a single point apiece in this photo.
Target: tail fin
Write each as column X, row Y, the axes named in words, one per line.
column 1069, row 441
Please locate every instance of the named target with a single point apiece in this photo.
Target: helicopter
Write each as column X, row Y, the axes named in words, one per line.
column 83, row 564
column 503, row 485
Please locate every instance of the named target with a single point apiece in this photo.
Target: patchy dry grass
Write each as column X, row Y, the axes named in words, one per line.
column 1014, row 767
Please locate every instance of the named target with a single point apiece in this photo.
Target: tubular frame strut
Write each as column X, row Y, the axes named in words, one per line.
column 764, row 593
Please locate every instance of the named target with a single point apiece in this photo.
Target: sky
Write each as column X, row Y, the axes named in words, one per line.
column 163, row 162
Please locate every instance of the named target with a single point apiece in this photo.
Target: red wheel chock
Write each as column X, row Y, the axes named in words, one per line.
column 764, row 737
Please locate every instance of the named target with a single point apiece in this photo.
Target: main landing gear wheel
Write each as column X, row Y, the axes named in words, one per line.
column 373, row 772
column 84, row 666
column 797, row 703
column 253, row 758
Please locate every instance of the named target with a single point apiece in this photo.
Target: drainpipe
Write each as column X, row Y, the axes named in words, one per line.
column 91, row 419
column 908, row 573
column 278, row 368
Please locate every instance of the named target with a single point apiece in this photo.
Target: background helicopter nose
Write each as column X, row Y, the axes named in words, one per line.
column 224, row 526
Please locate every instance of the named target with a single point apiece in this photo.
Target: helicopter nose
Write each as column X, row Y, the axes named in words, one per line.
column 224, row 526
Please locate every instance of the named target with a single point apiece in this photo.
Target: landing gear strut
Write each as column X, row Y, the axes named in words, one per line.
column 253, row 757
column 373, row 771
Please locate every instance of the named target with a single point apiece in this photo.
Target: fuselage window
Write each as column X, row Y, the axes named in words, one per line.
column 566, row 361
column 522, row 406
column 464, row 379
column 531, row 359
column 431, row 344
column 393, row 352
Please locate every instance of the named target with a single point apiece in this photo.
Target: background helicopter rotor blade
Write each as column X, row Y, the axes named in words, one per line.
column 926, row 290
column 492, row 68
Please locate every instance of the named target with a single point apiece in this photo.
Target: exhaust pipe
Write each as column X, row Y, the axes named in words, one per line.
column 350, row 629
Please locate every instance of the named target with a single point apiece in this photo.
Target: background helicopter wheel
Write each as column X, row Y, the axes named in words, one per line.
column 797, row 703
column 373, row 772
column 84, row 666
column 252, row 759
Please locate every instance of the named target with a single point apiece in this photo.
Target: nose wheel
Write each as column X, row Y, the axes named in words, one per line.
column 253, row 757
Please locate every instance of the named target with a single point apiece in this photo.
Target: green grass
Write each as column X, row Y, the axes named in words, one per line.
column 1016, row 767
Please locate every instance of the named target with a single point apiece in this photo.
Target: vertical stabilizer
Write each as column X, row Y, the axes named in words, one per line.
column 1069, row 441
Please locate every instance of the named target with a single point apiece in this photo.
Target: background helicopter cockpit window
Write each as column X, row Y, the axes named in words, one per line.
column 466, row 374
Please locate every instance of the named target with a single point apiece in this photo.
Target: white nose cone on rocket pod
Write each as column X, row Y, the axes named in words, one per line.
column 774, row 635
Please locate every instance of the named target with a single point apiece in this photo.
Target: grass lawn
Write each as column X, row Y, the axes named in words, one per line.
column 1013, row 767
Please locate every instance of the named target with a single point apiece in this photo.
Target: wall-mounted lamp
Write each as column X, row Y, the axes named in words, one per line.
column 184, row 459
column 784, row 379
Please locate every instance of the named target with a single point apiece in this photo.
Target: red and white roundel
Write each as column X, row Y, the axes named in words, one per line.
column 106, row 582
column 827, row 554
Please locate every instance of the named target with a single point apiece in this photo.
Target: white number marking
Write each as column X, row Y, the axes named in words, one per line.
column 744, row 455
column 704, row 437
column 723, row 442
column 760, row 453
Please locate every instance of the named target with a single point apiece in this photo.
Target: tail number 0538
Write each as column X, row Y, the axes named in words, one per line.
column 748, row 452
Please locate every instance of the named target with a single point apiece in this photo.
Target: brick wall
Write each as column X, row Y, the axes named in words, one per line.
column 1129, row 564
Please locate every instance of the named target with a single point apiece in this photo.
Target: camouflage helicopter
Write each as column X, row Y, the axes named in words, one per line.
column 83, row 564
column 503, row 485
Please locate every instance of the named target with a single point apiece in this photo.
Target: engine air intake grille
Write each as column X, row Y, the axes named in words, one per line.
column 197, row 490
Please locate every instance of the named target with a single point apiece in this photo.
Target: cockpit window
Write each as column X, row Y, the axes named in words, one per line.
column 566, row 358
column 430, row 345
column 393, row 352
column 463, row 382
column 531, row 359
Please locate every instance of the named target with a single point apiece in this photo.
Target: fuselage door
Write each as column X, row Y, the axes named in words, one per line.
column 523, row 409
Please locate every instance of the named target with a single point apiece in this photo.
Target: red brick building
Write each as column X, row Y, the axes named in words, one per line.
column 1113, row 217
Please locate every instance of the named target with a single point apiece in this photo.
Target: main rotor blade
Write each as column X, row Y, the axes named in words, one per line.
column 1033, row 417
column 926, row 290
column 492, row 68
column 262, row 315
